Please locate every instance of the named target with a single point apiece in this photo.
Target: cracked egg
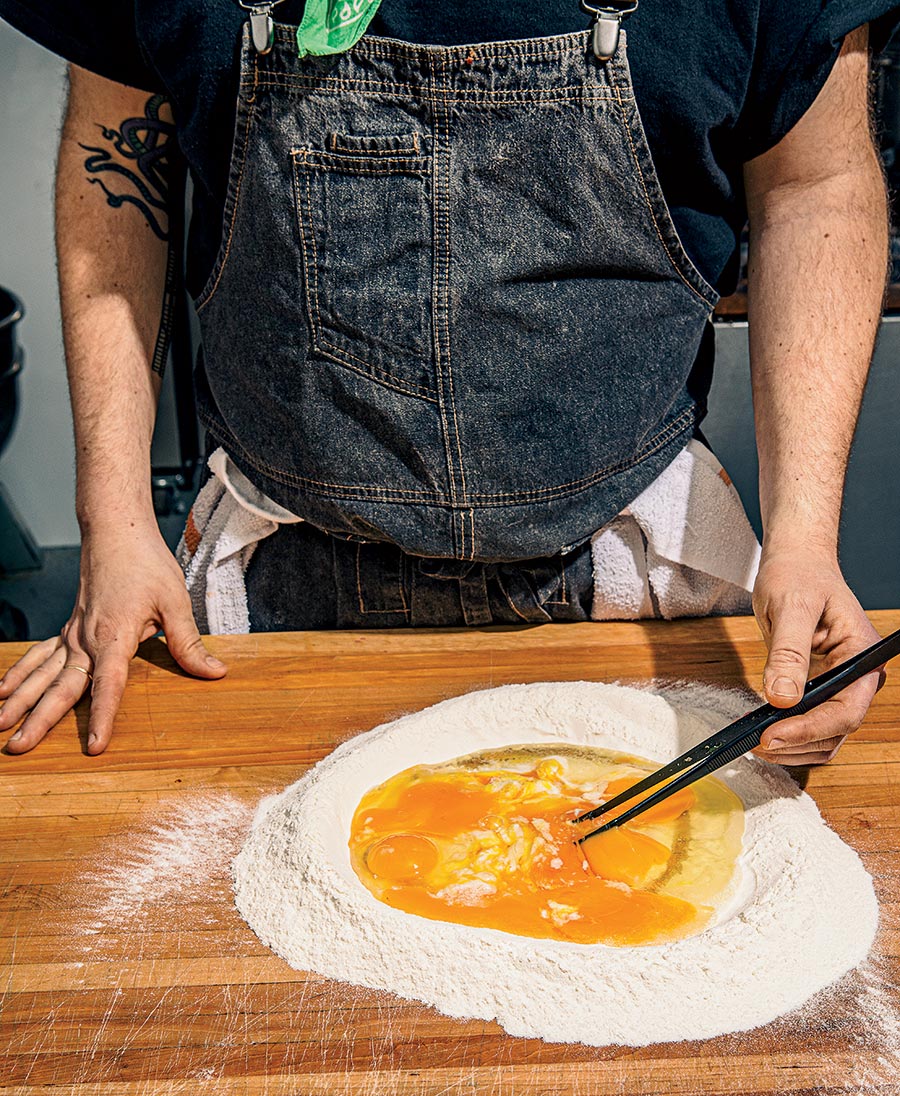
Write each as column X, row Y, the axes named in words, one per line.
column 488, row 840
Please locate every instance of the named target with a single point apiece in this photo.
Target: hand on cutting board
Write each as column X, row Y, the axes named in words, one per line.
column 130, row 588
column 810, row 620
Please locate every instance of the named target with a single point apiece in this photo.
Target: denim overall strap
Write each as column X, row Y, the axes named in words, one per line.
column 450, row 308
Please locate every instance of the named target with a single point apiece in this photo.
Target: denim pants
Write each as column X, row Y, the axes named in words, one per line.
column 302, row 578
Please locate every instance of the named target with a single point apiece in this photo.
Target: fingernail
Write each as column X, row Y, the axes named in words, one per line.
column 214, row 663
column 16, row 736
column 776, row 744
column 783, row 686
column 92, row 739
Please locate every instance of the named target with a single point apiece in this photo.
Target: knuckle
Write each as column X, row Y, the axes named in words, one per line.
column 103, row 632
column 788, row 655
column 59, row 690
column 104, row 684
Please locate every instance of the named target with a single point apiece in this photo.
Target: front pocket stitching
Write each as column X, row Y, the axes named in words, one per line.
column 392, row 150
column 315, row 316
column 372, row 372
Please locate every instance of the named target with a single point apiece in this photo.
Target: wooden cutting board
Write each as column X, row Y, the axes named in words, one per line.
column 127, row 971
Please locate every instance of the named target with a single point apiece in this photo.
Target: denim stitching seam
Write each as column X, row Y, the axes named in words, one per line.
column 437, row 274
column 433, row 498
column 381, row 163
column 512, row 604
column 359, row 593
column 336, row 148
column 446, row 326
column 208, row 293
column 312, row 300
column 675, row 266
column 502, row 96
column 563, row 599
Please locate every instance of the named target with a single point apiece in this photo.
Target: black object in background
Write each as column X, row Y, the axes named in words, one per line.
column 18, row 552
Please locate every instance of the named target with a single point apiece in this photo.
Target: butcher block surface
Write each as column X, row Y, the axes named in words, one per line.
column 125, row 969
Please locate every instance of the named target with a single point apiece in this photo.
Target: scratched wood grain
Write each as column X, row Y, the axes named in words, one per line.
column 126, row 970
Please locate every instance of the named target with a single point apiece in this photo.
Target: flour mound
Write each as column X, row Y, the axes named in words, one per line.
column 803, row 915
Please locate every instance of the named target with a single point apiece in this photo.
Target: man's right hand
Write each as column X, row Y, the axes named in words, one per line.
column 112, row 231
column 130, row 588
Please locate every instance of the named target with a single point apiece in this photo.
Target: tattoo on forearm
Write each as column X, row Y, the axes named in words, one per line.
column 144, row 144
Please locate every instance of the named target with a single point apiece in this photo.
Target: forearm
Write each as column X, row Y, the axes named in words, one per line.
column 816, row 281
column 111, row 275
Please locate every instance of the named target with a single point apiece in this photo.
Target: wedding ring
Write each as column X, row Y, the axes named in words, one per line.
column 80, row 669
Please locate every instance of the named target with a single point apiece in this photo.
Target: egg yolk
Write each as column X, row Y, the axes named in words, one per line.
column 493, row 845
column 624, row 855
column 402, row 858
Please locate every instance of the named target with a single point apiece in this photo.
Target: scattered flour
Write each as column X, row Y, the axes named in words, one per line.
column 804, row 915
column 177, row 854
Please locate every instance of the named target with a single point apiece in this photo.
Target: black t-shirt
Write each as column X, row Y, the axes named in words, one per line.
column 717, row 82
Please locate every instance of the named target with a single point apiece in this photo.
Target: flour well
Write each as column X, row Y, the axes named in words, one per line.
column 804, row 913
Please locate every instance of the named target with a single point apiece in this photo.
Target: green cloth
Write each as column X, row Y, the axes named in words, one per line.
column 332, row 26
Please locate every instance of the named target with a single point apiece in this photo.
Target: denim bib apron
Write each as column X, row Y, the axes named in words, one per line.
column 450, row 309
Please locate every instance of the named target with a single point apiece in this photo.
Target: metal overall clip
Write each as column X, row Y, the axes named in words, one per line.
column 606, row 25
column 262, row 25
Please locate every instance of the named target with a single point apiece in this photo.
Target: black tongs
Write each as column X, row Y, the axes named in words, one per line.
column 742, row 735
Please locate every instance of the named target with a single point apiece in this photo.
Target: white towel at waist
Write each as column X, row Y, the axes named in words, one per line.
column 228, row 519
column 684, row 547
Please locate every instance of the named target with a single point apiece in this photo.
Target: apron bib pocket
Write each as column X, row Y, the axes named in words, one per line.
column 364, row 216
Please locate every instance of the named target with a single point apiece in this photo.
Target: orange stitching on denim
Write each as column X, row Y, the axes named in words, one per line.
column 338, row 146
column 372, row 372
column 675, row 266
column 476, row 97
column 315, row 316
column 432, row 498
column 221, row 260
column 436, row 297
column 359, row 594
column 512, row 604
column 485, row 50
column 446, row 323
column 380, row 164
column 563, row 599
column 349, row 490
column 348, row 83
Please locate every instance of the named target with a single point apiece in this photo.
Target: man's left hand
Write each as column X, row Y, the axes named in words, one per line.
column 810, row 620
